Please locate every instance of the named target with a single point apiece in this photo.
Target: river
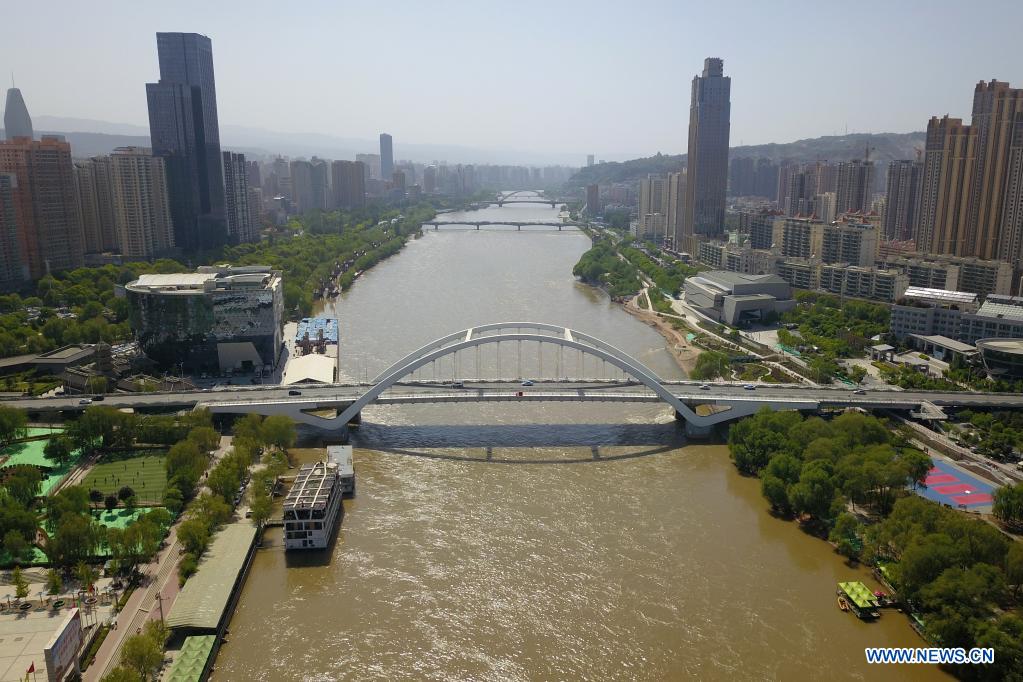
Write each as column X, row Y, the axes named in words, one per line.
column 555, row 541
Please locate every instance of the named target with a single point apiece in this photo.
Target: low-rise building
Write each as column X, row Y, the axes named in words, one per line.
column 953, row 273
column 999, row 317
column 737, row 299
column 1002, row 358
column 860, row 282
column 930, row 312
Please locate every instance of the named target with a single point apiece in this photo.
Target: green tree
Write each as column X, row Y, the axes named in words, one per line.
column 194, row 535
column 54, row 584
column 58, row 450
column 69, row 501
column 143, row 654
column 23, row 484
column 76, row 540
column 12, row 424
column 110, row 502
column 86, row 575
column 710, row 365
column 20, row 583
column 95, row 497
column 1008, row 505
column 16, row 545
column 776, row 492
column 278, row 431
column 261, row 508
column 121, row 674
column 173, row 499
column 846, row 535
column 814, row 493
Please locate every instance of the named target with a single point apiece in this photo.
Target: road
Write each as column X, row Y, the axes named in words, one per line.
column 332, row 395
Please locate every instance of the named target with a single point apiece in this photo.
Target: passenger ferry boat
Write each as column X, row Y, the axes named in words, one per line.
column 341, row 455
column 312, row 507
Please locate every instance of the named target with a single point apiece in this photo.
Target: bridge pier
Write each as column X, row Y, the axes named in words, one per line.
column 477, row 226
column 519, row 228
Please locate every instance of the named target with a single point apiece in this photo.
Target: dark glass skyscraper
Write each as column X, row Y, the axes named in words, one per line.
column 185, row 132
column 386, row 157
column 707, row 176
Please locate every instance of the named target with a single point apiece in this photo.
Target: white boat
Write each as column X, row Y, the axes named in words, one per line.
column 312, row 507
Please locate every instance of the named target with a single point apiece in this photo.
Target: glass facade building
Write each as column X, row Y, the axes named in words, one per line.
column 185, row 132
column 215, row 318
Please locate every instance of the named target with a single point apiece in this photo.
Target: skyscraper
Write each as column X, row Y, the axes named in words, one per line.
column 589, row 159
column 17, row 122
column 997, row 110
column 386, row 157
column 240, row 225
column 948, row 175
column 46, row 210
column 141, row 207
column 676, row 208
column 302, row 185
column 653, row 208
column 854, row 187
column 321, row 184
column 96, row 204
column 707, row 174
column 592, row 200
column 185, row 132
column 349, row 182
column 13, row 270
column 905, row 182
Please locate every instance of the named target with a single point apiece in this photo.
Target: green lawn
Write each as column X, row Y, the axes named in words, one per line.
column 146, row 475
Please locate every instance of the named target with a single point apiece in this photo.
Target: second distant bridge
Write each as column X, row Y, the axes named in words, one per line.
column 560, row 224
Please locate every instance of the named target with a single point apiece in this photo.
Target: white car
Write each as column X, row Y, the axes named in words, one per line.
column 85, row 401
column 705, row 387
column 750, row 387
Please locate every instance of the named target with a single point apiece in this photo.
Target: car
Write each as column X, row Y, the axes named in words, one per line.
column 527, row 382
column 859, row 391
column 85, row 401
column 457, row 384
column 97, row 398
column 705, row 387
column 750, row 387
column 293, row 392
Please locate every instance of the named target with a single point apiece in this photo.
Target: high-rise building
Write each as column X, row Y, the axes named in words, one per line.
column 349, row 181
column 302, row 185
column 653, row 208
column 255, row 176
column 255, row 200
column 589, row 159
column 13, row 269
column 386, row 157
column 372, row 165
column 46, row 210
column 854, row 186
column 430, row 179
column 238, row 211
column 944, row 199
column 141, row 206
column 17, row 122
column 321, row 193
column 398, row 180
column 824, row 207
column 971, row 179
column 676, row 208
column 707, row 175
column 592, row 200
column 905, row 185
column 94, row 190
column 185, row 132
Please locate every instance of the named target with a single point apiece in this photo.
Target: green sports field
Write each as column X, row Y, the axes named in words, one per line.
column 146, row 475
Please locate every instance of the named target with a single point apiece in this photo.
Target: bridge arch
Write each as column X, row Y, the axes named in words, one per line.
column 512, row 331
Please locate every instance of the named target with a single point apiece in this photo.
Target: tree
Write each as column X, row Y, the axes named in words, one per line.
column 278, row 431
column 261, row 507
column 1014, row 568
column 205, row 437
column 212, row 509
column 173, row 500
column 72, row 500
column 814, row 492
column 142, row 654
column 16, row 544
column 846, row 535
column 54, row 584
column 710, row 365
column 121, row 674
column 1008, row 505
column 23, row 484
column 20, row 583
column 775, row 490
column 194, row 535
column 76, row 539
column 185, row 464
column 249, row 428
column 12, row 424
column 110, row 502
column 86, row 575
column 95, row 497
column 58, row 450
column 125, row 492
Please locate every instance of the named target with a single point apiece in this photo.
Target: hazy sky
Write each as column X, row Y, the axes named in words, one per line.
column 582, row 76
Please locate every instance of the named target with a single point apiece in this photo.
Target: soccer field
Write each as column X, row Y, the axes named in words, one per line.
column 147, row 476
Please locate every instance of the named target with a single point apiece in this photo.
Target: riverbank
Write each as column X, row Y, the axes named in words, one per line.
column 683, row 352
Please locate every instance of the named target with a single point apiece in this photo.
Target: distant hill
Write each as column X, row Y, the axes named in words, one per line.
column 884, row 147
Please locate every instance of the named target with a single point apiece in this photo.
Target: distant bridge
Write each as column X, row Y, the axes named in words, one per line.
column 560, row 224
column 526, row 196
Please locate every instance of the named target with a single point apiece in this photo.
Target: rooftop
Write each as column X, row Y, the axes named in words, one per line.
column 314, row 325
column 946, row 343
column 859, row 594
column 342, row 456
column 940, row 295
column 1014, row 346
column 740, row 278
column 312, row 486
column 205, row 596
column 311, row 368
column 206, row 278
column 1003, row 307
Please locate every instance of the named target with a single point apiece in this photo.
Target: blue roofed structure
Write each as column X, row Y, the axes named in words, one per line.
column 314, row 325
